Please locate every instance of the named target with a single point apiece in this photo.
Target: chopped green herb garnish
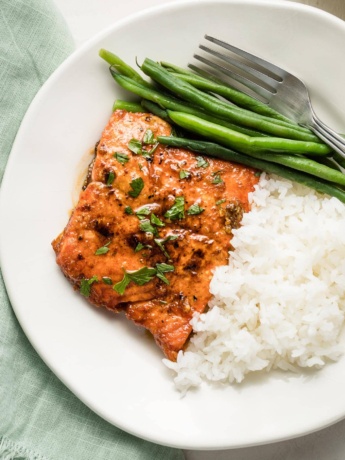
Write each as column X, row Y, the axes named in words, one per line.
column 139, row 277
column 156, row 221
column 128, row 210
column 184, row 174
column 135, row 146
column 150, row 152
column 162, row 277
column 111, row 178
column 146, row 226
column 164, row 268
column 120, row 287
column 137, row 185
column 177, row 210
column 107, row 280
column 145, row 211
column 121, row 157
column 85, row 286
column 223, row 200
column 257, row 174
column 142, row 276
column 201, row 162
column 139, row 247
column 103, row 250
column 217, row 179
column 147, row 153
column 194, row 210
column 161, row 242
column 149, row 137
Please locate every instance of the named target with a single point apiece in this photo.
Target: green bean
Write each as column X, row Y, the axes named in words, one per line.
column 223, row 110
column 177, row 86
column 243, row 143
column 217, row 86
column 227, row 124
column 162, row 99
column 201, row 114
column 218, row 151
column 305, row 165
column 122, row 67
column 155, row 109
column 328, row 161
column 169, row 102
column 119, row 104
column 163, row 114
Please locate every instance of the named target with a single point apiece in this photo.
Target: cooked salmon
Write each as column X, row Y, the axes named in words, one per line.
column 151, row 225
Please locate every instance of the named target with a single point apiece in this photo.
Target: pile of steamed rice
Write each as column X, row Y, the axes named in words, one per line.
column 280, row 303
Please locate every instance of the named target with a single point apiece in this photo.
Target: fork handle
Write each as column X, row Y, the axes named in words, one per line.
column 328, row 135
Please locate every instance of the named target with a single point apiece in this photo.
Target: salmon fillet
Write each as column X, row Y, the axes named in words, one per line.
column 150, row 226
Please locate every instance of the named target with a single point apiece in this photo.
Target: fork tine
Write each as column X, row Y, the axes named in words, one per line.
column 204, row 73
column 259, row 90
column 275, row 70
column 263, row 78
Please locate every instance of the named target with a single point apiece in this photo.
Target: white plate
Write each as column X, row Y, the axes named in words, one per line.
column 106, row 361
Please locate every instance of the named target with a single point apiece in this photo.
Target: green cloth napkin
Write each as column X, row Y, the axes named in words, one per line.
column 40, row 419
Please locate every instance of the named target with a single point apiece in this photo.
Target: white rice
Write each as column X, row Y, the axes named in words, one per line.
column 280, row 303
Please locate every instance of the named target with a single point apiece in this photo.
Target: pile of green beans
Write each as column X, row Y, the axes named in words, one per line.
column 218, row 87
column 243, row 130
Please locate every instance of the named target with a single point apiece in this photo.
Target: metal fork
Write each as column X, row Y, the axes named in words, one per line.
column 272, row 85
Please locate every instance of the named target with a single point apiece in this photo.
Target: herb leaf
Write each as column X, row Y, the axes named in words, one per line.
column 217, row 179
column 148, row 137
column 137, row 185
column 184, row 174
column 111, row 178
column 120, row 287
column 223, row 200
column 142, row 276
column 201, row 162
column 139, row 277
column 162, row 277
column 139, row 247
column 107, row 280
column 103, row 250
column 146, row 226
column 164, row 268
column 121, row 157
column 148, row 153
column 161, row 241
column 145, row 211
column 85, row 286
column 194, row 210
column 156, row 221
column 128, row 210
column 135, row 146
column 177, row 210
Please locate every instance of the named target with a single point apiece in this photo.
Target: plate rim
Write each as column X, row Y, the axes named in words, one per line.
column 36, row 101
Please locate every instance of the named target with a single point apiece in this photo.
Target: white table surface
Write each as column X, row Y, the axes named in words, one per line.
column 87, row 18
